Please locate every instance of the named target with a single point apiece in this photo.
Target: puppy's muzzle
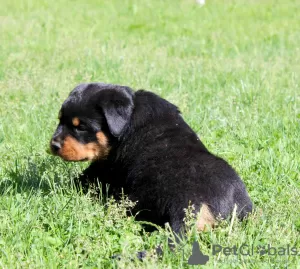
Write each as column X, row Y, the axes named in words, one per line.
column 55, row 145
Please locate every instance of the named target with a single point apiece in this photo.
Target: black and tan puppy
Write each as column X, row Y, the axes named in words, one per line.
column 138, row 143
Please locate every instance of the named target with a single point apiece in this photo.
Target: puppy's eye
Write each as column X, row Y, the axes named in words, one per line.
column 81, row 127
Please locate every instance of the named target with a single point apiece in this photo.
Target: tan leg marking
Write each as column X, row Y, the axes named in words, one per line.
column 205, row 219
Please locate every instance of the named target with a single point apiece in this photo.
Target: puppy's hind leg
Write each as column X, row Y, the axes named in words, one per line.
column 205, row 219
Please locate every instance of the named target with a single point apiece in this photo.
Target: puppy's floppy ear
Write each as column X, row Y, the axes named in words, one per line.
column 117, row 105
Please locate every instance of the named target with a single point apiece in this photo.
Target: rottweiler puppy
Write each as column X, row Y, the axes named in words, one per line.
column 139, row 144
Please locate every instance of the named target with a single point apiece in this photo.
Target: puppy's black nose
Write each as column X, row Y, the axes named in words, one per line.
column 55, row 146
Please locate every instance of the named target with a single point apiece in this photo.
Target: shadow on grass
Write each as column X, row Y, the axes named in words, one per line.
column 36, row 174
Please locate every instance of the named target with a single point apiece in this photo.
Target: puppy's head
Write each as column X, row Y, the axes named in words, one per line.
column 90, row 117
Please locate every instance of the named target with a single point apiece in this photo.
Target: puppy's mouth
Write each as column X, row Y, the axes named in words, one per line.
column 72, row 157
column 76, row 160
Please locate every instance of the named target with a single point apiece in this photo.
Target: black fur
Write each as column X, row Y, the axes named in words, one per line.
column 155, row 157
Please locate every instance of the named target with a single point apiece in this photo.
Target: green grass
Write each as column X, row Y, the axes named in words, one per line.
column 231, row 66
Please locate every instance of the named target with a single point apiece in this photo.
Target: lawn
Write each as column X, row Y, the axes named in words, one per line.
column 233, row 69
